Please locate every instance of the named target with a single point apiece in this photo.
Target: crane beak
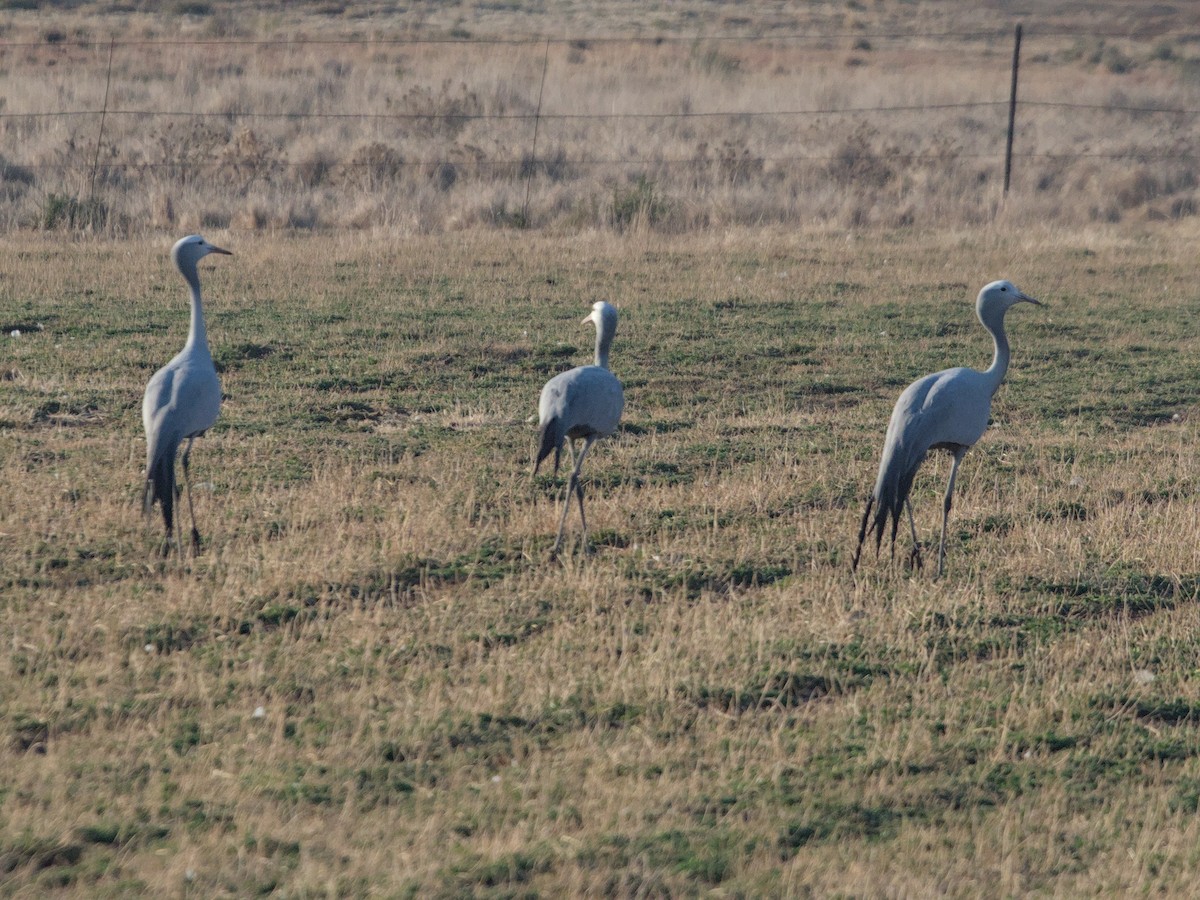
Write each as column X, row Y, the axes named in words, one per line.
column 1029, row 299
column 590, row 317
column 214, row 249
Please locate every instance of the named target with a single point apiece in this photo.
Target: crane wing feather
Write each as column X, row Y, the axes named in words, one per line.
column 586, row 400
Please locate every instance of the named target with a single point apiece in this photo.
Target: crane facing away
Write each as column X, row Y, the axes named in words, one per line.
column 584, row 403
column 182, row 399
column 947, row 410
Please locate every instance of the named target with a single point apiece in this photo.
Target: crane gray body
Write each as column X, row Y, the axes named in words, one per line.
column 585, row 404
column 182, row 399
column 947, row 410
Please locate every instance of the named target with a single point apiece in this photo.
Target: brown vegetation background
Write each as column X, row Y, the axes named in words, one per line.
column 447, row 116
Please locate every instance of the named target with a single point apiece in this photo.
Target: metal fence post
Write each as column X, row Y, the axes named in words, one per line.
column 1012, row 111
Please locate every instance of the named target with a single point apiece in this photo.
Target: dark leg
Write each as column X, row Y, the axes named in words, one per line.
column 587, row 546
column 573, row 487
column 914, row 559
column 187, row 482
column 958, row 455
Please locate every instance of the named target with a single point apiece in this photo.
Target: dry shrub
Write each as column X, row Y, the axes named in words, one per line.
column 251, row 217
column 857, row 162
column 1184, row 206
column 638, row 205
column 212, row 218
column 191, row 145
column 373, row 165
column 1110, row 192
column 299, row 214
column 14, row 180
column 732, row 160
column 1135, row 188
column 315, row 168
column 444, row 175
column 246, row 156
column 441, row 112
column 1090, row 189
column 162, row 210
column 366, row 215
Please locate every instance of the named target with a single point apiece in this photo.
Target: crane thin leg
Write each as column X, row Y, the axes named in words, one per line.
column 573, row 487
column 958, row 456
column 915, row 557
column 187, row 483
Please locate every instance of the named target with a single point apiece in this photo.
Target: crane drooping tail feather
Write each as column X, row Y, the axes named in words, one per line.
column 160, row 484
column 862, row 533
column 887, row 498
column 550, row 437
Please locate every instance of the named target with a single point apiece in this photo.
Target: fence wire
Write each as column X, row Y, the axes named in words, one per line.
column 455, row 138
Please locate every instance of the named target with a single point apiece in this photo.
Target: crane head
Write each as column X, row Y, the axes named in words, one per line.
column 603, row 316
column 190, row 250
column 999, row 296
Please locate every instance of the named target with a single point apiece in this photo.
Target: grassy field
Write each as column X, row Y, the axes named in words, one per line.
column 374, row 681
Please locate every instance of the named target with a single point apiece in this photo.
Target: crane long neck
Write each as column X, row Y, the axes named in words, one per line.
column 604, row 338
column 995, row 326
column 197, row 335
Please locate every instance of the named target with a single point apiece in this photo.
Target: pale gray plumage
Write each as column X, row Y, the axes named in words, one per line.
column 182, row 399
column 947, row 410
column 582, row 404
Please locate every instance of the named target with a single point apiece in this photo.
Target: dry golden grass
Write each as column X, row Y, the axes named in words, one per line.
column 710, row 703
column 325, row 129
